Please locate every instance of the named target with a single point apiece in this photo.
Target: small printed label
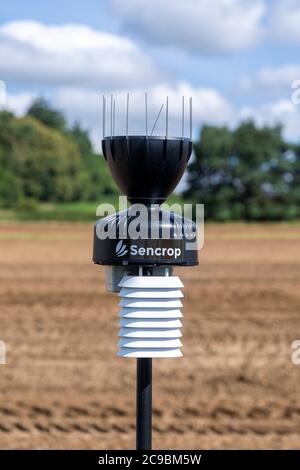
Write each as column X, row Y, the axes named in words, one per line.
column 149, row 249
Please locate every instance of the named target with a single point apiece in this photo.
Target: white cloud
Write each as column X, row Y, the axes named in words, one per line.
column 18, row 103
column 284, row 20
column 209, row 106
column 66, row 38
column 277, row 112
column 271, row 81
column 71, row 55
column 206, row 26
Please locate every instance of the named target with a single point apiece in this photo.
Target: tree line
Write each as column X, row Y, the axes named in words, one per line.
column 42, row 159
column 247, row 173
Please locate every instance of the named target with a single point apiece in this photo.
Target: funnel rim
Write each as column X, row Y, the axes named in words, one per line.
column 146, row 137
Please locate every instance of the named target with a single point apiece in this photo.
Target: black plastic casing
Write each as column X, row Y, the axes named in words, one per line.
column 178, row 248
column 146, row 169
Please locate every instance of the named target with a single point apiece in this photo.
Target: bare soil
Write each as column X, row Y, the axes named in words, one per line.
column 63, row 386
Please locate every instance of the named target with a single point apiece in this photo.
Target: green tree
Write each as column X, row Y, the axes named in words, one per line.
column 45, row 162
column 243, row 173
column 95, row 176
column 294, row 180
column 42, row 160
column 10, row 189
column 50, row 117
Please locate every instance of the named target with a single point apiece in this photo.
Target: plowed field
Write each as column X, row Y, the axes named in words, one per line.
column 63, row 386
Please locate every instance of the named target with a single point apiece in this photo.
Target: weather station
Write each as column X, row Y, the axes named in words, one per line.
column 141, row 245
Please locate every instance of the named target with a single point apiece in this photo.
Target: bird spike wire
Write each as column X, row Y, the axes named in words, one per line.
column 167, row 117
column 127, row 114
column 191, row 117
column 146, row 111
column 157, row 118
column 103, row 115
column 182, row 118
column 112, row 116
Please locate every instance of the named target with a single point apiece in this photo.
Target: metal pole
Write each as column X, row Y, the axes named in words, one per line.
column 144, row 404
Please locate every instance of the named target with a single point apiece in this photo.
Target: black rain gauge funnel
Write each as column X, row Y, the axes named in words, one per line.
column 146, row 169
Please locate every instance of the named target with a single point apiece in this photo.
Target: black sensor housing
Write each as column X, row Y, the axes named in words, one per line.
column 146, row 169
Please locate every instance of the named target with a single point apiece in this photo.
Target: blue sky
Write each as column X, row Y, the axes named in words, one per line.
column 236, row 58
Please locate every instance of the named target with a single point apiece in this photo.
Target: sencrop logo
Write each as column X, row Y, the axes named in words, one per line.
column 158, row 251
column 143, row 251
column 121, row 249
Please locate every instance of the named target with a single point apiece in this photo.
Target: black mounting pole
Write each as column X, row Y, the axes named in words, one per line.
column 144, row 404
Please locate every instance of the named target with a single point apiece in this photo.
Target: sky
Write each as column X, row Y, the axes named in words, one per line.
column 237, row 59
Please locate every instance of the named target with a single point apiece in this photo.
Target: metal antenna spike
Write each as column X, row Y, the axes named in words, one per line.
column 167, row 117
column 146, row 110
column 114, row 117
column 127, row 113
column 161, row 108
column 111, row 114
column 191, row 117
column 182, row 118
column 103, row 115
